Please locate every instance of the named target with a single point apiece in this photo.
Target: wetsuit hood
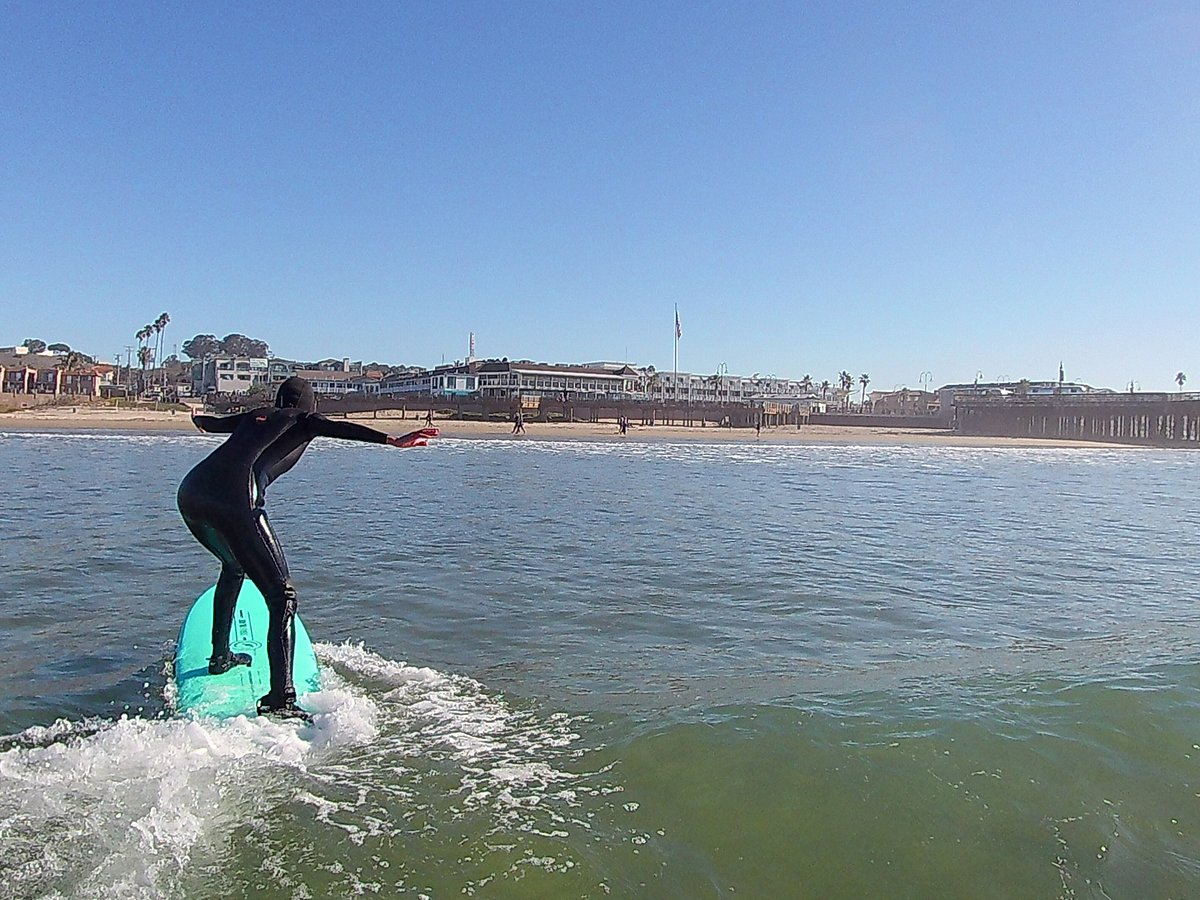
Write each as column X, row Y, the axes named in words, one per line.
column 296, row 393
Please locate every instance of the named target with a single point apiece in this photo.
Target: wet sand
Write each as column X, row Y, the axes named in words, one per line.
column 84, row 418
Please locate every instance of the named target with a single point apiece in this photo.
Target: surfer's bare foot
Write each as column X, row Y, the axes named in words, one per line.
column 219, row 665
column 282, row 709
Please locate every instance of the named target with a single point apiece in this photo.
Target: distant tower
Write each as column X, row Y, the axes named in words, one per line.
column 471, row 349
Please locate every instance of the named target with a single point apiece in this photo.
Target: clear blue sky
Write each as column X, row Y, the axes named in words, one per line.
column 885, row 188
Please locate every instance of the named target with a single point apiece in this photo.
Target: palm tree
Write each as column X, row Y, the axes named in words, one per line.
column 846, row 380
column 714, row 380
column 157, row 329
column 144, row 354
column 159, row 326
column 864, row 379
column 650, row 384
column 806, row 384
column 1180, row 378
column 825, row 386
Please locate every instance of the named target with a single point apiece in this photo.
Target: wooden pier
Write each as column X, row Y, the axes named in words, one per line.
column 1151, row 420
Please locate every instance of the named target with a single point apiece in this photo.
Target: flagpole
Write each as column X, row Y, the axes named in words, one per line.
column 675, row 380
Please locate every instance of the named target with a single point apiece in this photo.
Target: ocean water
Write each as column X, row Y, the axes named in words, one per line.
column 573, row 669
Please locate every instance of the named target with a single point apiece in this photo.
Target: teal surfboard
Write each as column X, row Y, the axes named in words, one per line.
column 236, row 692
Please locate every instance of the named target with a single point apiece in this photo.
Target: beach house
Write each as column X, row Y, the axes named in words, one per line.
column 47, row 373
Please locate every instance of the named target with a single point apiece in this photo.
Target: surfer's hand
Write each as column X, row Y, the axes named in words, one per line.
column 419, row 438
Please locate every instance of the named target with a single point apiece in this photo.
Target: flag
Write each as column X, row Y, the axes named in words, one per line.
column 678, row 327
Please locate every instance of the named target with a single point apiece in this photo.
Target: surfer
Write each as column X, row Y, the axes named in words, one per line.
column 222, row 503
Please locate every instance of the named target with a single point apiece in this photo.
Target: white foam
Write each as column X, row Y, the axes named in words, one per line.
column 134, row 807
column 117, row 809
column 499, row 751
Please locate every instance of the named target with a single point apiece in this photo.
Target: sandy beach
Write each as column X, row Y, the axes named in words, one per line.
column 87, row 418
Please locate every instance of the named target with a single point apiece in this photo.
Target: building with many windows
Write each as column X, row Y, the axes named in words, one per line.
column 23, row 372
column 332, row 384
column 721, row 387
column 239, row 374
column 229, row 374
column 444, row 381
column 1015, row 389
column 503, row 378
column 902, row 402
column 506, row 379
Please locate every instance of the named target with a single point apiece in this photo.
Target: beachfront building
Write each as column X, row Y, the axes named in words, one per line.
column 280, row 370
column 229, row 374
column 947, row 394
column 902, row 402
column 721, row 387
column 460, row 380
column 327, row 383
column 239, row 374
column 47, row 372
column 513, row 379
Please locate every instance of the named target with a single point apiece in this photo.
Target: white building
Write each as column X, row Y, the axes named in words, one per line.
column 688, row 387
column 1015, row 389
column 335, row 384
column 502, row 378
column 229, row 374
column 445, row 381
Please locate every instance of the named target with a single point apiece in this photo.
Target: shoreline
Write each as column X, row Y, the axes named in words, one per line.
column 82, row 418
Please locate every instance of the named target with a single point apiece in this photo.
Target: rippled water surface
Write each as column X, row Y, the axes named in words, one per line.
column 573, row 669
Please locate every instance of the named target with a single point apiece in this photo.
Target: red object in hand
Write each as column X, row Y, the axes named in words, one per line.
column 419, row 438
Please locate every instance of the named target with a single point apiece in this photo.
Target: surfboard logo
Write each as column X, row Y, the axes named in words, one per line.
column 243, row 637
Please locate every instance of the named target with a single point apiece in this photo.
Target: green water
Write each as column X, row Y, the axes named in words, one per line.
column 590, row 670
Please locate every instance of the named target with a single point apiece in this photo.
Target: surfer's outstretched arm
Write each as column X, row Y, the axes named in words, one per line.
column 218, row 424
column 320, row 426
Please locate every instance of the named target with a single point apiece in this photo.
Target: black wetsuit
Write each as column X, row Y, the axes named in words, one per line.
column 221, row 501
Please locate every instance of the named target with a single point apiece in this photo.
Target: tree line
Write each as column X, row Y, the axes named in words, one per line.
column 67, row 358
column 203, row 346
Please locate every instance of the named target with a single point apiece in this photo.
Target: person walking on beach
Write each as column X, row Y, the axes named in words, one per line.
column 429, row 417
column 518, row 423
column 222, row 503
